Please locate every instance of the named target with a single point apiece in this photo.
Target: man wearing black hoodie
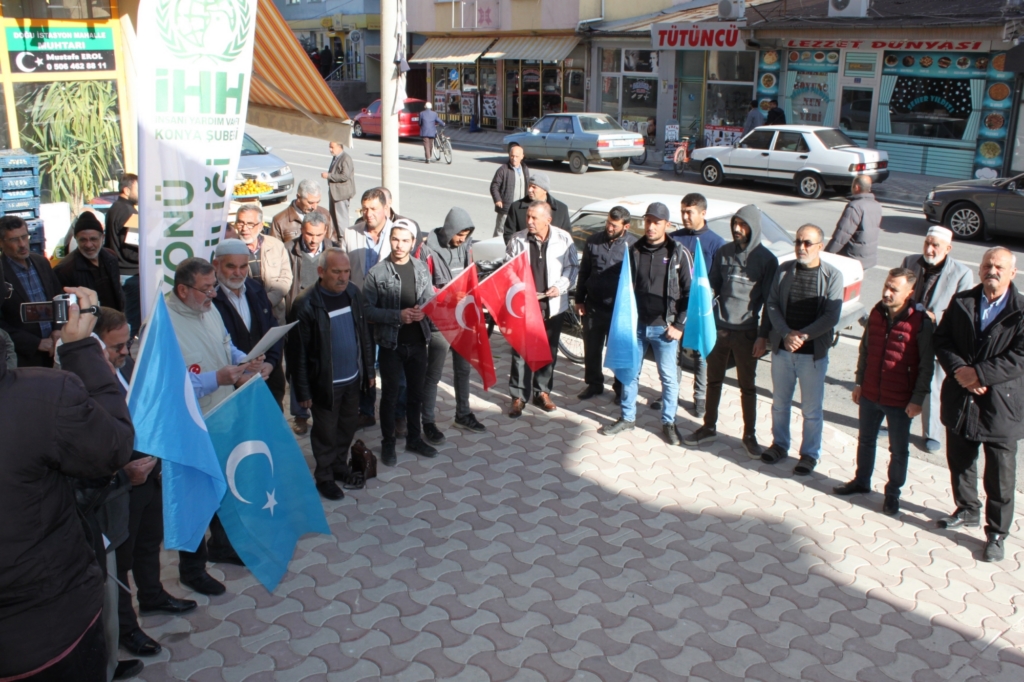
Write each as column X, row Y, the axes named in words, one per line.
column 740, row 276
column 449, row 254
column 539, row 190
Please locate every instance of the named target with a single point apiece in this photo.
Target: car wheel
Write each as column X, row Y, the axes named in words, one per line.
column 711, row 173
column 620, row 164
column 965, row 220
column 578, row 163
column 809, row 186
column 357, row 130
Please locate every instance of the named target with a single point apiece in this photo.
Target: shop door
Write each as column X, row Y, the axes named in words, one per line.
column 751, row 157
column 855, row 107
column 559, row 140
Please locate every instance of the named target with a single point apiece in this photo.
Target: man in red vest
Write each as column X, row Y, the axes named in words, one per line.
column 894, row 375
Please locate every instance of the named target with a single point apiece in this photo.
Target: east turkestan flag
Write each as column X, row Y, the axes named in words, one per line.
column 700, row 334
column 625, row 354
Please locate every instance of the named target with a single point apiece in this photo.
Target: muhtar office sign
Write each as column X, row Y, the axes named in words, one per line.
column 707, row 35
column 43, row 49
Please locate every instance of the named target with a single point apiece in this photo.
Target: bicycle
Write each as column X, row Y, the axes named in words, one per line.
column 570, row 341
column 442, row 146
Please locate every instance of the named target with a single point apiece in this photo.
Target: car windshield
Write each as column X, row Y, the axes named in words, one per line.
column 251, row 147
column 598, row 123
column 833, row 138
column 414, row 107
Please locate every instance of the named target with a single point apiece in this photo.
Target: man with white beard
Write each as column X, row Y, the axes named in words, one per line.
column 939, row 279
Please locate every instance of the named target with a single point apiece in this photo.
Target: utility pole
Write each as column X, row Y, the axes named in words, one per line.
column 390, row 90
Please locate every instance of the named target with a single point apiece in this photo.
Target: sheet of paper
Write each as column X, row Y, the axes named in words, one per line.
column 267, row 342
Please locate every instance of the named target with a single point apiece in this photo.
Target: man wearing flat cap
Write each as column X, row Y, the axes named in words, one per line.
column 28, row 278
column 92, row 266
column 939, row 278
column 539, row 190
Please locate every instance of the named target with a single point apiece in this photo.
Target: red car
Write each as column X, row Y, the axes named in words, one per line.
column 367, row 121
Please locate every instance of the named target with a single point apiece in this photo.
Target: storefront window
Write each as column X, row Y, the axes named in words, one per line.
column 511, row 96
column 440, row 89
column 639, row 103
column 930, row 107
column 489, row 90
column 730, row 88
column 551, row 89
column 731, row 66
column 531, row 91
column 611, row 60
column 68, row 9
column 811, row 88
column 855, row 110
column 727, row 105
column 640, row 61
column 610, row 96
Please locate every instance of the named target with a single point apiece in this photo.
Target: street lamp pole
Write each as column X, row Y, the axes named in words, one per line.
column 390, row 91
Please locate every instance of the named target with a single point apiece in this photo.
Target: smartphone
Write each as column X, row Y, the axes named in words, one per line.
column 55, row 311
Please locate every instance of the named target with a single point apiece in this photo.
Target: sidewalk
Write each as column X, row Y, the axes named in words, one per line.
column 545, row 551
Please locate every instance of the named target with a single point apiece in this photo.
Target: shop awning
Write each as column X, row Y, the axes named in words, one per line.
column 451, row 50
column 536, row 48
column 288, row 93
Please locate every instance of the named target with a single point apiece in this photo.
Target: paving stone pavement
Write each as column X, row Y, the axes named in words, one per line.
column 543, row 550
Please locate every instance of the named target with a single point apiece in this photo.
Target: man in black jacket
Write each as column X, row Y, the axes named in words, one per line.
column 776, row 115
column 31, row 280
column 539, row 189
column 92, row 266
column 508, row 186
column 330, row 358
column 595, row 295
column 51, row 582
column 116, row 239
column 980, row 345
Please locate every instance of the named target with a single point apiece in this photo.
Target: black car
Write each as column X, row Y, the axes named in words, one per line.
column 978, row 208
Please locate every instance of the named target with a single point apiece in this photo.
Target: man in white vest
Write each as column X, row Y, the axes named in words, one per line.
column 214, row 369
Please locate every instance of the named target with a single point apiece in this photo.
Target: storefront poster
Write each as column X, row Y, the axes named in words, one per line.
column 995, row 115
column 722, row 136
column 813, row 75
column 490, row 107
column 39, row 49
column 809, row 61
column 936, row 65
column 769, row 66
column 193, row 91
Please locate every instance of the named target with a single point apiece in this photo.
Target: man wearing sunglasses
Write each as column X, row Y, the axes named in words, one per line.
column 804, row 304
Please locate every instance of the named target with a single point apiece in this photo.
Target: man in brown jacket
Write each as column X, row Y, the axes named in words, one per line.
column 288, row 223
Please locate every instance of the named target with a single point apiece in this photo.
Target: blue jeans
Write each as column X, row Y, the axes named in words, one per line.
column 666, row 352
column 871, row 415
column 788, row 369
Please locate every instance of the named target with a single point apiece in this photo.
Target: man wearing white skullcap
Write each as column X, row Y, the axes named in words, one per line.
column 939, row 278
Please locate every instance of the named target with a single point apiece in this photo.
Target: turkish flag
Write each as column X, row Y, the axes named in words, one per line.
column 511, row 298
column 459, row 317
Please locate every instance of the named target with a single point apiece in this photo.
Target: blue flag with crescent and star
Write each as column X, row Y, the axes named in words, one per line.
column 169, row 425
column 700, row 334
column 271, row 500
column 625, row 354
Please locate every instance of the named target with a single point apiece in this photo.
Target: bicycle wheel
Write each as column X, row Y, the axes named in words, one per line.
column 436, row 153
column 447, row 151
column 570, row 341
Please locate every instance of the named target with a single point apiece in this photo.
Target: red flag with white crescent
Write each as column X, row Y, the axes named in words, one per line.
column 510, row 296
column 459, row 316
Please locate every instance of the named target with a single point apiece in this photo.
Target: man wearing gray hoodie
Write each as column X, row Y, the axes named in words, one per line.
column 740, row 275
column 448, row 252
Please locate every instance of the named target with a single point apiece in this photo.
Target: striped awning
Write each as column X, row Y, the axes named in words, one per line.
column 287, row 92
column 451, row 50
column 535, row 48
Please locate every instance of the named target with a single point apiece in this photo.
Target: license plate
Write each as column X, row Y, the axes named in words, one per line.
column 415, row 119
column 623, row 143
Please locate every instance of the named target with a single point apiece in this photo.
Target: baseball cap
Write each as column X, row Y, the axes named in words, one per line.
column 657, row 210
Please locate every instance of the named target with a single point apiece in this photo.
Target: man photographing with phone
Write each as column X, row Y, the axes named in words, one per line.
column 49, row 574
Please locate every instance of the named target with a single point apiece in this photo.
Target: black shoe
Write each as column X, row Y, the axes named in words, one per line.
column 704, row 434
column 699, row 407
column 330, row 490
column 387, row 454
column 470, row 423
column 961, row 518
column 620, row 426
column 774, row 454
column 656, row 405
column 421, row 447
column 139, row 643
column 168, row 604
column 671, row 435
column 350, row 480
column 128, row 668
column 590, row 391
column 805, row 466
column 891, row 505
column 850, row 488
column 204, row 584
column 432, row 434
column 753, row 449
column 226, row 558
column 401, row 427
column 994, row 550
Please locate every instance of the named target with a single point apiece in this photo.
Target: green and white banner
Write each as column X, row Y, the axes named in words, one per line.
column 194, row 71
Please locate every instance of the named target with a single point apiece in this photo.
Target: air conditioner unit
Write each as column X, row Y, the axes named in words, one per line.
column 731, row 10
column 848, row 8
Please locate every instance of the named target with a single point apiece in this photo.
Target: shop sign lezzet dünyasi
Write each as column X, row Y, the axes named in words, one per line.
column 43, row 49
column 708, row 35
column 929, row 45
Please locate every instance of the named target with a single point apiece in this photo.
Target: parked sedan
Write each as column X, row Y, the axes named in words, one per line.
column 367, row 121
column 810, row 158
column 978, row 208
column 257, row 163
column 579, row 139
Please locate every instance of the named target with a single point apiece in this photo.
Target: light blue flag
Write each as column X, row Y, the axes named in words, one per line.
column 624, row 355
column 700, row 334
column 169, row 425
column 272, row 500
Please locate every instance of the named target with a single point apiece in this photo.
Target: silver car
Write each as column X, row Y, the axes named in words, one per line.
column 579, row 139
column 257, row 163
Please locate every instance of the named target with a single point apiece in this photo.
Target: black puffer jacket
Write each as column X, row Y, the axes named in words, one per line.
column 996, row 354
column 51, row 586
column 600, row 266
column 677, row 284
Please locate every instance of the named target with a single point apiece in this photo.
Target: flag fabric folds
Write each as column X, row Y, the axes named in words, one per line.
column 510, row 297
column 700, row 334
column 625, row 354
column 459, row 317
column 271, row 500
column 169, row 425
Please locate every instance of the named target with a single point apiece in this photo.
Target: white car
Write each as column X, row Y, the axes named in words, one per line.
column 590, row 220
column 811, row 158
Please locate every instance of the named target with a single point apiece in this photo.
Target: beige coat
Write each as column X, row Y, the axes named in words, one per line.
column 275, row 274
column 205, row 344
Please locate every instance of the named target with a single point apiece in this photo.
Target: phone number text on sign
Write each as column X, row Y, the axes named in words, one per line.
column 38, row 62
